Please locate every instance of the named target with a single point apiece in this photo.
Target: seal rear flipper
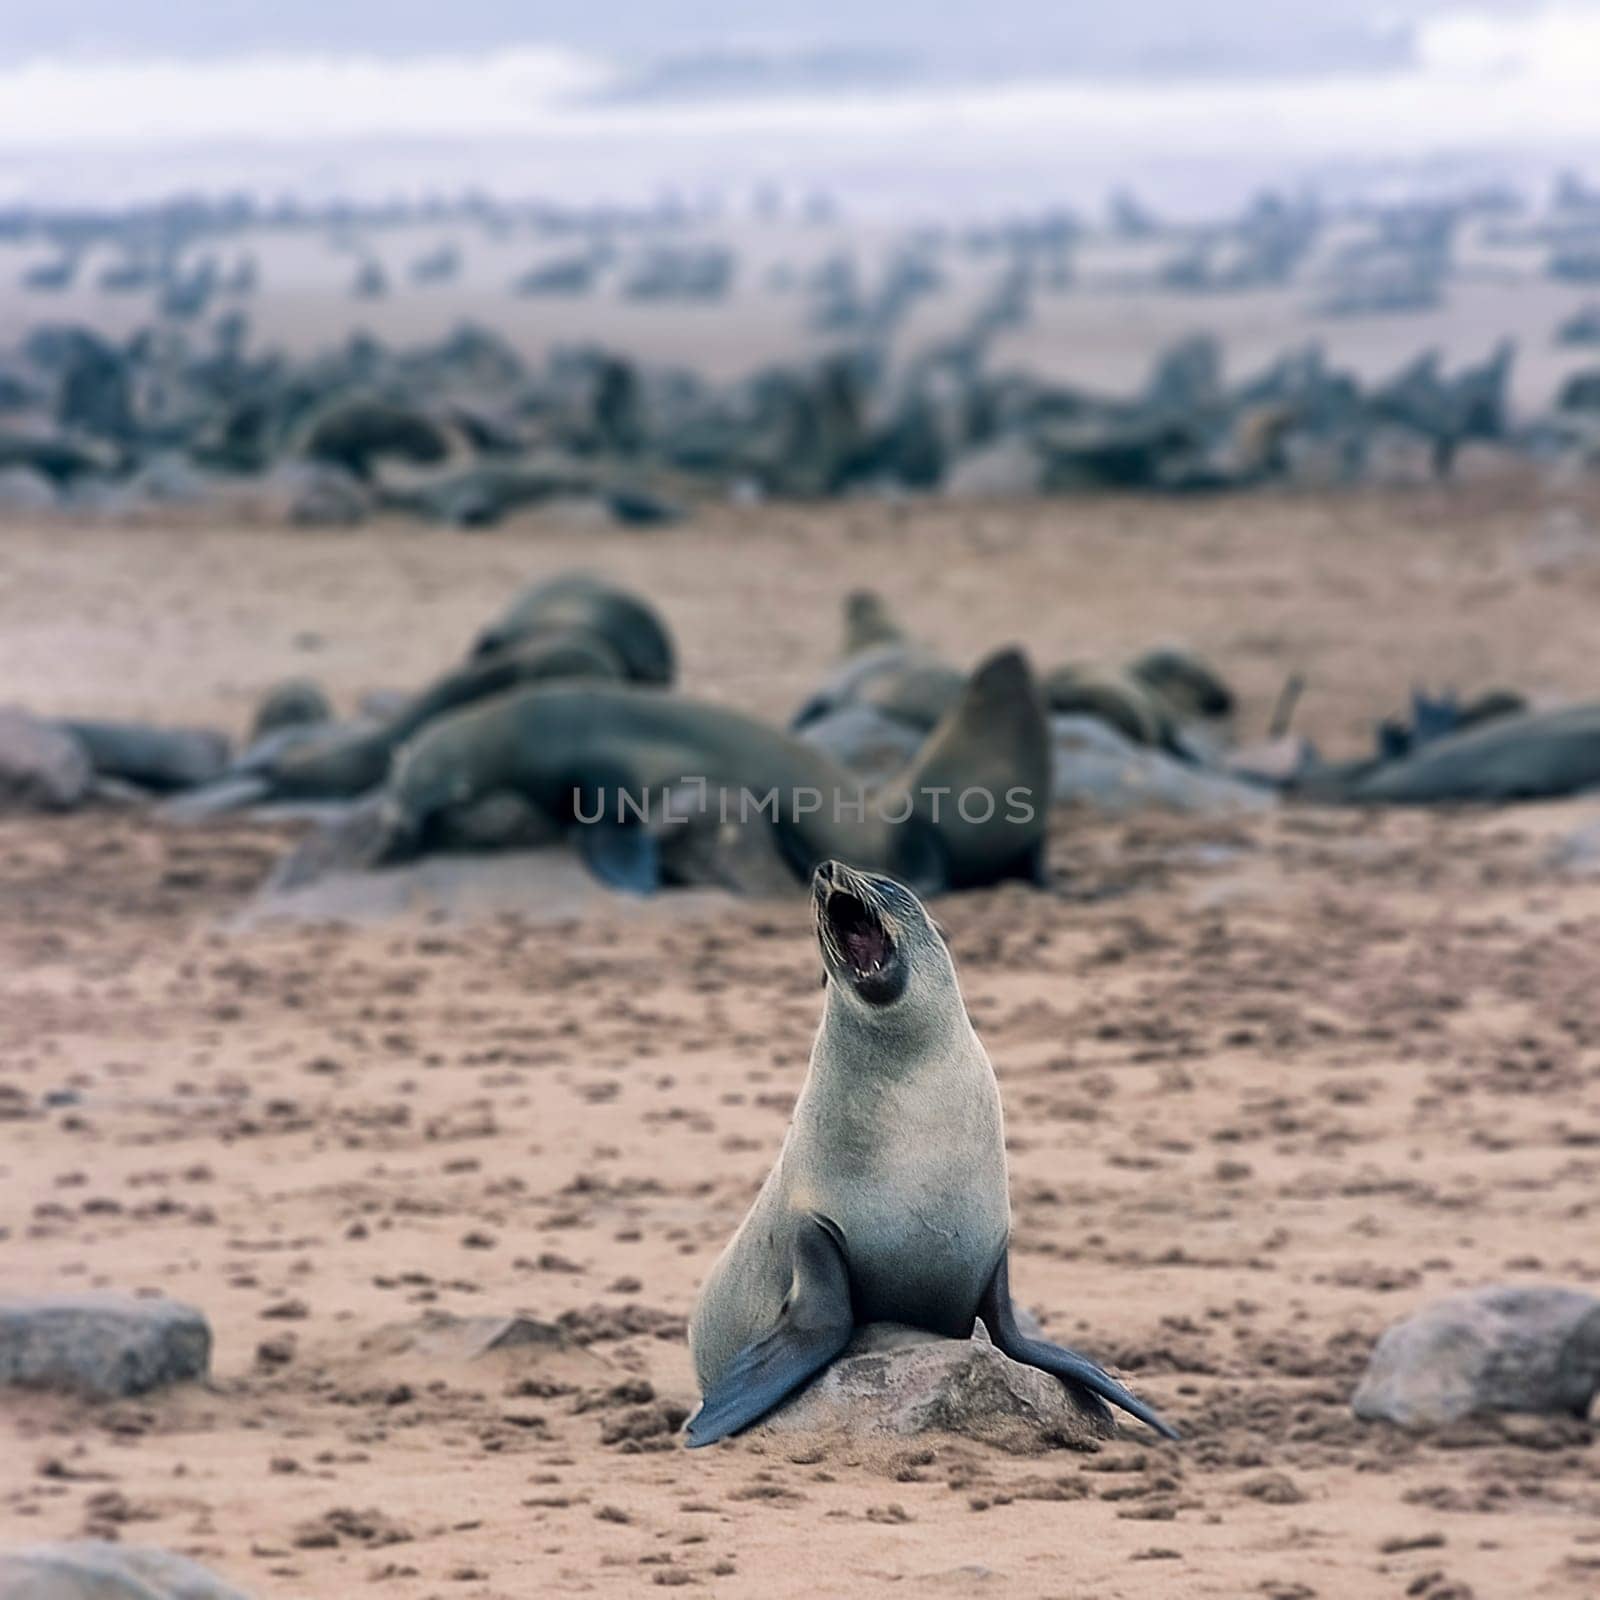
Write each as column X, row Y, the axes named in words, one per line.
column 625, row 858
column 1091, row 1385
column 230, row 793
column 370, row 834
column 814, row 1325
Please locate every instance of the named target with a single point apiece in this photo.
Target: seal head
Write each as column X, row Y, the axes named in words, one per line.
column 866, row 927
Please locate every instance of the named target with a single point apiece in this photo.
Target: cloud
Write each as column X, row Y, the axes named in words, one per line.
column 291, row 98
column 552, row 120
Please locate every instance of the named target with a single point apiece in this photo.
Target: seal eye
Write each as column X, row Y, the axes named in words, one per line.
column 862, row 940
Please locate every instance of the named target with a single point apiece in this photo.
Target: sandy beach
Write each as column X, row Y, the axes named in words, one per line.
column 1271, row 1083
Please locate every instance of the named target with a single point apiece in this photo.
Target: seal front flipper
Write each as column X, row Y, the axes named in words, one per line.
column 1090, row 1384
column 622, row 857
column 814, row 1325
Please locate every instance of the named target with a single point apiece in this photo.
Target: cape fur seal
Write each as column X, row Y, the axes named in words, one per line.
column 1537, row 755
column 889, row 1199
column 971, row 808
column 868, row 622
column 631, row 626
column 902, row 681
column 338, row 761
column 573, row 628
column 1188, row 683
column 1118, row 699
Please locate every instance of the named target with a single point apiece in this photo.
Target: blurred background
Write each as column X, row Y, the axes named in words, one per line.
column 1092, row 184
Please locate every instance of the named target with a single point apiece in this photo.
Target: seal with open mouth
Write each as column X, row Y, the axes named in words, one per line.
column 889, row 1201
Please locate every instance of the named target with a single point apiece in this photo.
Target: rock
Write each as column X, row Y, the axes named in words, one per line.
column 539, row 885
column 1503, row 1348
column 163, row 759
column 305, row 494
column 895, row 1383
column 1271, row 761
column 1007, row 468
column 102, row 1344
column 1095, row 766
column 92, row 1569
column 1578, row 852
column 42, row 768
column 171, row 479
column 25, row 489
column 441, row 1343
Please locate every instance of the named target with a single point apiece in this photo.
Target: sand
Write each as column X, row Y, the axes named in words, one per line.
column 1271, row 1084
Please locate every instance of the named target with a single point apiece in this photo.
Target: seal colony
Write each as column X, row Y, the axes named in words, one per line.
column 561, row 723
column 582, row 753
column 889, row 1199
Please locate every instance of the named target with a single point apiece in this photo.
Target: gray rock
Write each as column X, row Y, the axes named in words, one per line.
column 895, row 1383
column 1497, row 1349
column 1095, row 766
column 1274, row 762
column 539, row 885
column 23, row 489
column 304, row 494
column 450, row 1339
column 171, row 479
column 102, row 1344
column 1004, row 469
column 1578, row 852
column 91, row 1569
column 440, row 1344
column 42, row 768
column 321, row 495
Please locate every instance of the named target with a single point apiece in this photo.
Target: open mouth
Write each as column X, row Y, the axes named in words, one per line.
column 862, row 941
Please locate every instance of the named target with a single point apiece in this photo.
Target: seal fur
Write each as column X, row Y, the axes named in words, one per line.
column 888, row 1202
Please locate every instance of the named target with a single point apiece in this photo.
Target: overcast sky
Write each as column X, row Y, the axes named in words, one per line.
column 617, row 99
column 1091, row 37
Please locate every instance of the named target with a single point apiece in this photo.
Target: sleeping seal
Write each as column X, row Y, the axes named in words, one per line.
column 889, row 1200
column 972, row 808
column 627, row 622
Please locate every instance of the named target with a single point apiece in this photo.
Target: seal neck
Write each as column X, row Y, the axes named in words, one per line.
column 896, row 1039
